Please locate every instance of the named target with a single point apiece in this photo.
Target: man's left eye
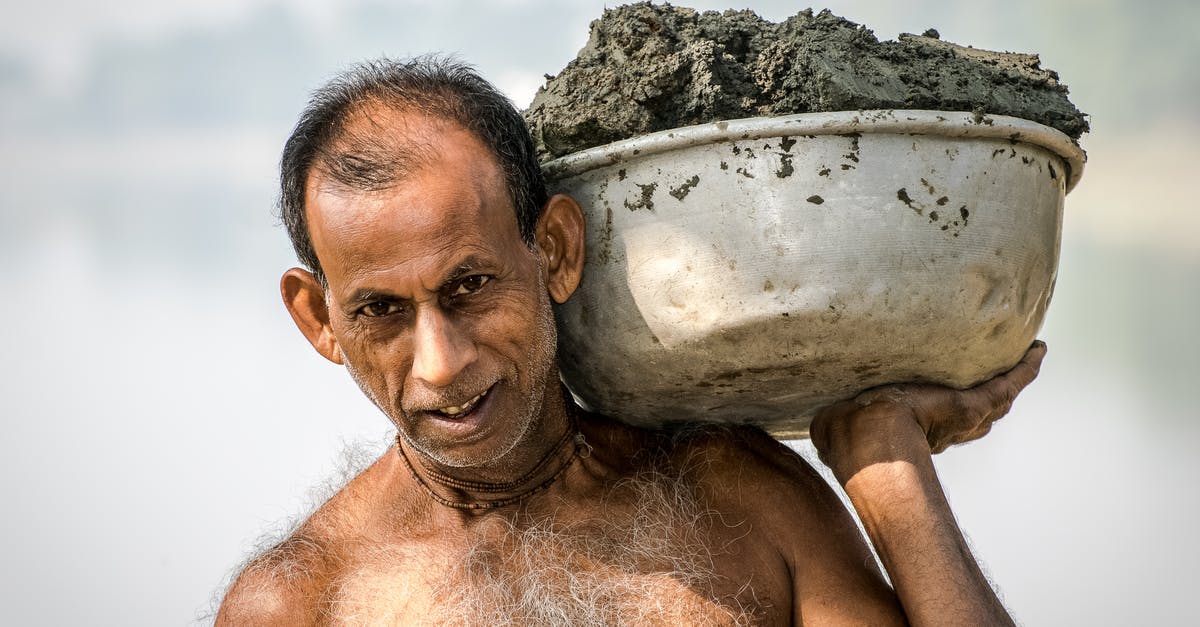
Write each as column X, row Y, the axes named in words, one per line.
column 471, row 284
column 379, row 309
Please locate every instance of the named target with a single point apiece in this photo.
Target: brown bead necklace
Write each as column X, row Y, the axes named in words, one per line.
column 572, row 435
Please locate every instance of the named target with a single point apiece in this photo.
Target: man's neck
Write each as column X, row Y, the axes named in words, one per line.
column 535, row 463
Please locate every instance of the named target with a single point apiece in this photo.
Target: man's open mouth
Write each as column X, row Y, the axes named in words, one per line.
column 459, row 411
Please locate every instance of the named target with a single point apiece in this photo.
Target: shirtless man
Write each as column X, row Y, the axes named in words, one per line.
column 414, row 199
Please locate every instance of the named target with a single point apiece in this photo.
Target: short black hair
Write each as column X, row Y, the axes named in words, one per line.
column 434, row 85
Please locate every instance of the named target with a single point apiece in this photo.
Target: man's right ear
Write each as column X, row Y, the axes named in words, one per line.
column 560, row 236
column 305, row 300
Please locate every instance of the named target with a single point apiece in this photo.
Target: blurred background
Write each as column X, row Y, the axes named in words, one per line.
column 161, row 413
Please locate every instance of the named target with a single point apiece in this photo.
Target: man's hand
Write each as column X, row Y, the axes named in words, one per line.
column 894, row 422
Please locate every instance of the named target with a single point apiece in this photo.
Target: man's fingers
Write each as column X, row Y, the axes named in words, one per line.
column 1030, row 365
column 947, row 437
column 947, row 416
column 983, row 429
column 1026, row 370
column 969, row 414
column 1001, row 391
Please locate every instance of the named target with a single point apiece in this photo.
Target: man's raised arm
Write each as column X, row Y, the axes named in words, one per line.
column 880, row 448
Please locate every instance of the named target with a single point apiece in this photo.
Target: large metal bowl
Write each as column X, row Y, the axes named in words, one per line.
column 753, row 271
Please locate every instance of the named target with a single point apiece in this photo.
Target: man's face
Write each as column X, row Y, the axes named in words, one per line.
column 439, row 309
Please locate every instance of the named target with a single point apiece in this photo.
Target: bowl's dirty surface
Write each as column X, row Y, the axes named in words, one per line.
column 756, row 270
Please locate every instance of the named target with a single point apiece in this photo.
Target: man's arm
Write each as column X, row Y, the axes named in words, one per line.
column 880, row 448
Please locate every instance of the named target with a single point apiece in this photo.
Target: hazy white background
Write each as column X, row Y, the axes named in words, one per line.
column 160, row 411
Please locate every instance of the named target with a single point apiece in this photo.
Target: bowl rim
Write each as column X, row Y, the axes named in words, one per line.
column 894, row 121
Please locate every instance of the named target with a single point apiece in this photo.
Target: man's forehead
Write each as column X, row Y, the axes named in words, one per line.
column 400, row 237
column 454, row 197
column 378, row 145
column 406, row 144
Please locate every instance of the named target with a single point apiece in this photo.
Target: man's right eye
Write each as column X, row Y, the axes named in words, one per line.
column 378, row 309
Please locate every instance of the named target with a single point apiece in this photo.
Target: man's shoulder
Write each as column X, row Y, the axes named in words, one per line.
column 743, row 469
column 717, row 451
column 281, row 586
column 750, row 477
column 284, row 584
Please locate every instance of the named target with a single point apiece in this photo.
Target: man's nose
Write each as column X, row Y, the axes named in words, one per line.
column 440, row 348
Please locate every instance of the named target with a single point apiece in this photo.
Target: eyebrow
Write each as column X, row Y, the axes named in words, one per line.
column 465, row 267
column 370, row 294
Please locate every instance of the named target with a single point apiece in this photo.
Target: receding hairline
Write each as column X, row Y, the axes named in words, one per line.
column 438, row 85
column 409, row 139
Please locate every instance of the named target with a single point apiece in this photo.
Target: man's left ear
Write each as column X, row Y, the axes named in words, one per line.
column 560, row 240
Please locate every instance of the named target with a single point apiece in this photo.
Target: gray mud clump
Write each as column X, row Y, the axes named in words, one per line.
column 649, row 68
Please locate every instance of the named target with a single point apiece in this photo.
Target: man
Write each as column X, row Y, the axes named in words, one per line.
column 413, row 197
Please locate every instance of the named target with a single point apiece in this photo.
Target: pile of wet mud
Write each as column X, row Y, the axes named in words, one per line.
column 649, row 68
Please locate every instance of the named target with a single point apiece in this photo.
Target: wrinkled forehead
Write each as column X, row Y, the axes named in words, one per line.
column 383, row 152
column 445, row 192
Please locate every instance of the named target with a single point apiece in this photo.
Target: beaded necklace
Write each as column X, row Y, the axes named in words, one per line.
column 572, row 435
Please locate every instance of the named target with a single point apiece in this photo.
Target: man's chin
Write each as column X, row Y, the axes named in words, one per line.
column 480, row 437
column 457, row 455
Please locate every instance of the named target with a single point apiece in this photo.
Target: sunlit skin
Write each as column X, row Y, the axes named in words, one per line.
column 433, row 298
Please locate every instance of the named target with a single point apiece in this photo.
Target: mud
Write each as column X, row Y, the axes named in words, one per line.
column 649, row 67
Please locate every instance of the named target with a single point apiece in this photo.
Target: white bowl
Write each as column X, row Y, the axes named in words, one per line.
column 753, row 271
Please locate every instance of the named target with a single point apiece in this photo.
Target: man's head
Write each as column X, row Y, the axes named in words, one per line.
column 434, row 291
column 324, row 141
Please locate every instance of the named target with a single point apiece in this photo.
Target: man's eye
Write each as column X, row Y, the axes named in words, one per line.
column 379, row 308
column 471, row 284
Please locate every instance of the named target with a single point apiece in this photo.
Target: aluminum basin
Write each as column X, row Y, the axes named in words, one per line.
column 753, row 271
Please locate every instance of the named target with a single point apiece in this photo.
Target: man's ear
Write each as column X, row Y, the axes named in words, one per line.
column 560, row 240
column 305, row 300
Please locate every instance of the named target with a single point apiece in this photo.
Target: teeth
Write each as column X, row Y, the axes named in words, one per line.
column 455, row 410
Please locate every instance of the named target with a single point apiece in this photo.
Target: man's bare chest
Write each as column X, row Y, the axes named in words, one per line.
column 546, row 575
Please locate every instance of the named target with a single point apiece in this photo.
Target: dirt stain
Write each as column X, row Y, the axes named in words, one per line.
column 604, row 253
column 902, row 196
column 785, row 168
column 647, row 198
column 682, row 191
